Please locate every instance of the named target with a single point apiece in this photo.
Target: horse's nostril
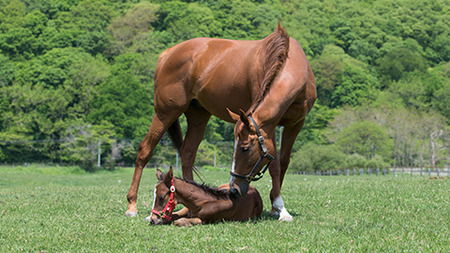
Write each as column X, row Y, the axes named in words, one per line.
column 234, row 192
column 152, row 222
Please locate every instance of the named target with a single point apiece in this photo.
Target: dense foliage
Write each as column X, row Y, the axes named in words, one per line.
column 73, row 72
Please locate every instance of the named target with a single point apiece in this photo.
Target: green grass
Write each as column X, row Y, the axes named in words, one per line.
column 55, row 209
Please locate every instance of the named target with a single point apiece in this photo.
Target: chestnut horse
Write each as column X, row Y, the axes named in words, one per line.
column 270, row 79
column 202, row 203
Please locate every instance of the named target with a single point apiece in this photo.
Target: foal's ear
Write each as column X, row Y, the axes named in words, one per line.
column 170, row 173
column 159, row 175
column 168, row 178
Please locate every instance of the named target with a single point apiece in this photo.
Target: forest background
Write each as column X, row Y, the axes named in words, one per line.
column 73, row 74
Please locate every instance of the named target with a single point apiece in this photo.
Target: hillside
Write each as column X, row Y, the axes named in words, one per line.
column 73, row 74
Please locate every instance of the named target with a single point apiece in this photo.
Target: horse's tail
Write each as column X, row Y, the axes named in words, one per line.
column 274, row 52
column 176, row 137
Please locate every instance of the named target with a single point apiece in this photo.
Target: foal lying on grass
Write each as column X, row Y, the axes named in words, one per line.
column 202, row 203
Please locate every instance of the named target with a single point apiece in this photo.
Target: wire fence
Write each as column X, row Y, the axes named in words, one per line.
column 403, row 171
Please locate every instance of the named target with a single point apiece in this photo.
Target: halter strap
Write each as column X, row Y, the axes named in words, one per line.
column 166, row 213
column 253, row 176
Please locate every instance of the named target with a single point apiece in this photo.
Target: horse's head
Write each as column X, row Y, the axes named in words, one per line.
column 163, row 198
column 252, row 151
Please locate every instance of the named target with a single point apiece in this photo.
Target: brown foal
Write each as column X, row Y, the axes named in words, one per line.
column 202, row 203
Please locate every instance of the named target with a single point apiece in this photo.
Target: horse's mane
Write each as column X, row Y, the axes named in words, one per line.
column 275, row 52
column 209, row 189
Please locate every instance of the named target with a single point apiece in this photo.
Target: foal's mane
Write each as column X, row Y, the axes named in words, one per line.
column 274, row 52
column 208, row 189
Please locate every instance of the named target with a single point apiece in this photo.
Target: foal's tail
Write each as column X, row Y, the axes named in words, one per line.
column 176, row 137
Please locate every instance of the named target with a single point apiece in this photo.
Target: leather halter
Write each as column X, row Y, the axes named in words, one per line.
column 253, row 176
column 166, row 213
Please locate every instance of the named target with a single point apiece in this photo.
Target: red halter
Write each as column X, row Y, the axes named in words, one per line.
column 166, row 213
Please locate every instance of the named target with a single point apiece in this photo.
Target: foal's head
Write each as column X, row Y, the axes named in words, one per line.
column 163, row 199
column 252, row 151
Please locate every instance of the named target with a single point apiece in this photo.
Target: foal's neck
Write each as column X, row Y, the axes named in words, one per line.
column 192, row 196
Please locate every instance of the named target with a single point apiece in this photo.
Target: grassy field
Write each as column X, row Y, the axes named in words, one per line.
column 55, row 209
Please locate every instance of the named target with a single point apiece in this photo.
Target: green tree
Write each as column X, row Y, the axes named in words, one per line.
column 365, row 138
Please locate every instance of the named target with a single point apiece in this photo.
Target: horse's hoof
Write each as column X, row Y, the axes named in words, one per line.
column 287, row 218
column 148, row 218
column 130, row 214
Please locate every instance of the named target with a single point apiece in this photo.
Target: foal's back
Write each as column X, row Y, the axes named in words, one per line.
column 248, row 207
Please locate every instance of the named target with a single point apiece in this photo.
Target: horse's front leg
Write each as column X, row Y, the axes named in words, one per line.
column 278, row 208
column 289, row 135
column 187, row 222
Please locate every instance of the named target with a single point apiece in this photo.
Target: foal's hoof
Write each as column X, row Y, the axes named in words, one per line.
column 130, row 214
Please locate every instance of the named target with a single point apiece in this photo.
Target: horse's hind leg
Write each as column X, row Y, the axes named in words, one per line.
column 153, row 136
column 197, row 119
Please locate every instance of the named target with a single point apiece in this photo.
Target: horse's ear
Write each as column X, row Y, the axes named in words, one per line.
column 233, row 115
column 159, row 175
column 244, row 118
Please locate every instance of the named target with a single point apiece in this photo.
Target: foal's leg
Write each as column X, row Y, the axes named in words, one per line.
column 289, row 135
column 183, row 213
column 197, row 119
column 153, row 136
column 187, row 222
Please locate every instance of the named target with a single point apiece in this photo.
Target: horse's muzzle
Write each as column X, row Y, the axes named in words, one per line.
column 238, row 188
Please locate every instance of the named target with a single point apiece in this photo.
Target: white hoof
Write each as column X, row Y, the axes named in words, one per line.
column 285, row 216
column 131, row 214
column 148, row 218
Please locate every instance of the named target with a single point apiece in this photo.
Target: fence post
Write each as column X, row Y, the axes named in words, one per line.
column 378, row 171
column 99, row 158
column 429, row 171
column 439, row 172
column 421, row 169
column 354, row 172
column 403, row 170
column 393, row 171
column 384, row 171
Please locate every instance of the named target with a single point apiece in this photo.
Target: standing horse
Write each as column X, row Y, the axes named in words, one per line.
column 202, row 203
column 270, row 79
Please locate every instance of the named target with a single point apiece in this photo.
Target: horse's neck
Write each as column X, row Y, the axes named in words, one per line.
column 190, row 195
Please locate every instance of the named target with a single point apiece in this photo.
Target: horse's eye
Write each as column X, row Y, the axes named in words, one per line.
column 244, row 149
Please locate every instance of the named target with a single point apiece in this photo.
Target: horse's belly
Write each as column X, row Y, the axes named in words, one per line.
column 218, row 96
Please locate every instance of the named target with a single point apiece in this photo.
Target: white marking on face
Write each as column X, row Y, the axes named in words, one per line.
column 234, row 154
column 154, row 199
